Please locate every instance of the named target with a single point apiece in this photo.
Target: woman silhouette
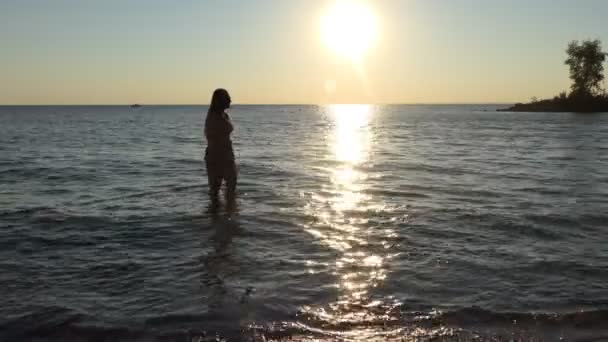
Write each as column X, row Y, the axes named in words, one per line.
column 219, row 155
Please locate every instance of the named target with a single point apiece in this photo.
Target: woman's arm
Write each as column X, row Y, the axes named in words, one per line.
column 229, row 126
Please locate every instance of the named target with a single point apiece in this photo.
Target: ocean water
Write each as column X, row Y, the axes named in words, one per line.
column 353, row 222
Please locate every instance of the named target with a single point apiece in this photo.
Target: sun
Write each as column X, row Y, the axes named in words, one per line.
column 348, row 28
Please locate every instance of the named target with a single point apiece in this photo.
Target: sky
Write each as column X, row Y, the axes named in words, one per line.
column 272, row 51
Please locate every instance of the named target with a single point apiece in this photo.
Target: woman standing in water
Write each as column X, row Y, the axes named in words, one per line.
column 219, row 155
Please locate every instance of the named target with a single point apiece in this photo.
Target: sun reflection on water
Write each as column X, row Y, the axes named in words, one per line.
column 352, row 133
column 342, row 211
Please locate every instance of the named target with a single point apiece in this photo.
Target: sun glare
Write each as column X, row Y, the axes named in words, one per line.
column 348, row 28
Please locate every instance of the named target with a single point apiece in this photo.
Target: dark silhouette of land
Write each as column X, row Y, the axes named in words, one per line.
column 586, row 71
column 593, row 104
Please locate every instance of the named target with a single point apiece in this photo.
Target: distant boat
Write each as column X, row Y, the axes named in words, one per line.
column 136, row 105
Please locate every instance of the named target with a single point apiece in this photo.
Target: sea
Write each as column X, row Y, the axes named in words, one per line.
column 353, row 223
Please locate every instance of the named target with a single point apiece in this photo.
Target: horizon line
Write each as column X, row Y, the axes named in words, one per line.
column 259, row 104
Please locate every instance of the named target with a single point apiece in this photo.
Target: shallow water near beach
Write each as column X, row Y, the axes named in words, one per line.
column 354, row 222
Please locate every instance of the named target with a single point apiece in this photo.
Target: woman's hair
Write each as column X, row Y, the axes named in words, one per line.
column 219, row 100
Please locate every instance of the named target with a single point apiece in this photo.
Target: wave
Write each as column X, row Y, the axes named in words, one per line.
column 475, row 315
column 396, row 193
column 44, row 215
column 510, row 226
column 466, row 324
column 50, row 215
column 24, row 211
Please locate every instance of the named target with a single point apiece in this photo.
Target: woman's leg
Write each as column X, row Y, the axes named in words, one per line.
column 230, row 175
column 214, row 178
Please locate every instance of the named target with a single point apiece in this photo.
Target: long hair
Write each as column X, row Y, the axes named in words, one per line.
column 219, row 101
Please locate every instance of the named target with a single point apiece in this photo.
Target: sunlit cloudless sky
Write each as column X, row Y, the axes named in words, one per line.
column 270, row 51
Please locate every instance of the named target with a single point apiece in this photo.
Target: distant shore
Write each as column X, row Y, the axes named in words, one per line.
column 595, row 104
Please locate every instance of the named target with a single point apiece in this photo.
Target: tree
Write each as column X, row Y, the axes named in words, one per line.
column 586, row 60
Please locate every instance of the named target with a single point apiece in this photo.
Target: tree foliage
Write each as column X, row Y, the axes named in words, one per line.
column 585, row 60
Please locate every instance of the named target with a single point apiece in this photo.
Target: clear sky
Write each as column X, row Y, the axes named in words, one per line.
column 271, row 51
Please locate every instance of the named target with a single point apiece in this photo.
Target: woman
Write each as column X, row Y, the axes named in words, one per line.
column 219, row 156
